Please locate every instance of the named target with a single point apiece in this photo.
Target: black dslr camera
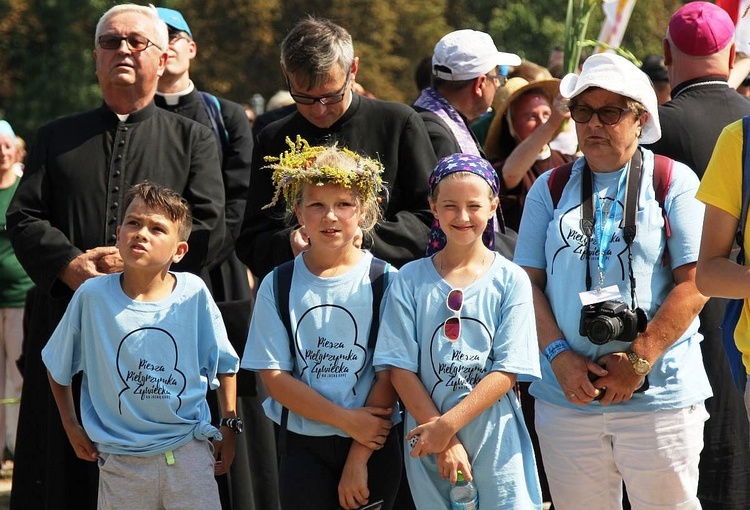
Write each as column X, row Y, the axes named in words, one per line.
column 611, row 320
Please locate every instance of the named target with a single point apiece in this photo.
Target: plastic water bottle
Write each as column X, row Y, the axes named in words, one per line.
column 464, row 495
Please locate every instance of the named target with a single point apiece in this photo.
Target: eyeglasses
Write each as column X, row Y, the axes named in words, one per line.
column 608, row 115
column 176, row 36
column 499, row 79
column 135, row 42
column 452, row 325
column 326, row 100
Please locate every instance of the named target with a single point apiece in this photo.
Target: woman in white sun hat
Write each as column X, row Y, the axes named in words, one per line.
column 621, row 398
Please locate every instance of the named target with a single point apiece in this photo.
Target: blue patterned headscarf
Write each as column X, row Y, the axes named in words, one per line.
column 462, row 163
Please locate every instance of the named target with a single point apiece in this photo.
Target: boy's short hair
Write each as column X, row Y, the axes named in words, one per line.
column 165, row 201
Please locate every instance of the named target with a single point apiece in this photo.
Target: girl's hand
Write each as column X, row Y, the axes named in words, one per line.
column 81, row 443
column 353, row 491
column 452, row 460
column 224, row 452
column 432, row 437
column 368, row 426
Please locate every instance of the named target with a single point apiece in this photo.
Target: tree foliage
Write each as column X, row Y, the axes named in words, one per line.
column 47, row 66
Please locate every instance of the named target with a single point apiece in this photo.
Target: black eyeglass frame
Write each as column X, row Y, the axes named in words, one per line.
column 107, row 42
column 326, row 100
column 600, row 112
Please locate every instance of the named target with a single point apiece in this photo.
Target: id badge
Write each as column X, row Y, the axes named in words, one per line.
column 600, row 295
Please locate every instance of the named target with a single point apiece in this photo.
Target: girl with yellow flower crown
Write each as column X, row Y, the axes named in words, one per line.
column 313, row 333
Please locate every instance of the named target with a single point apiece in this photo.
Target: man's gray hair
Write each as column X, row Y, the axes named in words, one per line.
column 312, row 48
column 160, row 34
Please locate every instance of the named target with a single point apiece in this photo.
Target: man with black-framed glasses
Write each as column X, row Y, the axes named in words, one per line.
column 318, row 63
column 63, row 223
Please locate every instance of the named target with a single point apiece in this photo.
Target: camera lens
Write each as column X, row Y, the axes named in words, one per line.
column 603, row 329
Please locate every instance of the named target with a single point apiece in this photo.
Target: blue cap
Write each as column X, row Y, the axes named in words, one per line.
column 174, row 20
column 5, row 129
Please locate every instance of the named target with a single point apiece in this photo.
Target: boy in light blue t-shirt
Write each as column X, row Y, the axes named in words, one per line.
column 150, row 343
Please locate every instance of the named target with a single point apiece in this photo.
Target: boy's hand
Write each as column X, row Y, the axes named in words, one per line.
column 81, row 443
column 353, row 491
column 452, row 460
column 368, row 426
column 224, row 451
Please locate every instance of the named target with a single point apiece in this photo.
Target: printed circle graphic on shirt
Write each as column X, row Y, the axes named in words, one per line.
column 326, row 340
column 147, row 365
column 458, row 366
column 573, row 240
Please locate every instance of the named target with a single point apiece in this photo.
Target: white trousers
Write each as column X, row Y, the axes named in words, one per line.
column 588, row 456
column 11, row 337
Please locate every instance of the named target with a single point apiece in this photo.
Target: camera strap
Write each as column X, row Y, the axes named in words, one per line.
column 632, row 186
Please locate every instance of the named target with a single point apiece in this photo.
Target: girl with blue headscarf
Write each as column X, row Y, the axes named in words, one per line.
column 457, row 331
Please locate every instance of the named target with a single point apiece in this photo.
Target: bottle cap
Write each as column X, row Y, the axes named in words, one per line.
column 460, row 476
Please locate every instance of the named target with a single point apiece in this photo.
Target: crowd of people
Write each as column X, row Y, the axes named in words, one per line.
column 519, row 281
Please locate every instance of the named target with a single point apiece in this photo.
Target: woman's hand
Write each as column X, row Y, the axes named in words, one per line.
column 353, row 490
column 572, row 372
column 621, row 380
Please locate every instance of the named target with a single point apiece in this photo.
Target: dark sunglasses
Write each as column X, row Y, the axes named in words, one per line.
column 326, row 100
column 452, row 325
column 608, row 115
column 134, row 41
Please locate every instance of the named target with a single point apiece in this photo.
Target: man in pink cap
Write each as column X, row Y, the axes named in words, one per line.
column 699, row 53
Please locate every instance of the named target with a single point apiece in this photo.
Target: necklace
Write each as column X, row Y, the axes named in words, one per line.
column 476, row 275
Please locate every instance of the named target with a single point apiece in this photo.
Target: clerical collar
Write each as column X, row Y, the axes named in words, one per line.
column 173, row 98
column 706, row 81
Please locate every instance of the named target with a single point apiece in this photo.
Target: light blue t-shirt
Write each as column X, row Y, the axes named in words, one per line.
column 498, row 333
column 330, row 319
column 553, row 240
column 146, row 365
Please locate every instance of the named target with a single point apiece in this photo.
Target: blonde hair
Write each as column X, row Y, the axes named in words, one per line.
column 319, row 165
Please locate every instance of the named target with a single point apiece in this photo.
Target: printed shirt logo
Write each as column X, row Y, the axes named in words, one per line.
column 329, row 358
column 460, row 365
column 147, row 365
column 573, row 241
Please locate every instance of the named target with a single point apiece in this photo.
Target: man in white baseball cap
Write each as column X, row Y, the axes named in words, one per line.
column 465, row 77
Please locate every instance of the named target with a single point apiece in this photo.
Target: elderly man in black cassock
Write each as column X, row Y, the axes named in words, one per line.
column 63, row 218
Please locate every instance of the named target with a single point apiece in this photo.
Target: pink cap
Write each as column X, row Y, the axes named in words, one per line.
column 700, row 28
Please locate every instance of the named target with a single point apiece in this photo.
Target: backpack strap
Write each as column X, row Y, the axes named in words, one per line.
column 662, row 178
column 378, row 282
column 213, row 108
column 740, row 237
column 558, row 178
column 282, row 284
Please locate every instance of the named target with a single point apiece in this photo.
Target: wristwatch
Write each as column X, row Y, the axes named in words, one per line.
column 234, row 424
column 641, row 365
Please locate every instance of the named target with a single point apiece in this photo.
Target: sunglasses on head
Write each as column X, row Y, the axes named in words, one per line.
column 452, row 325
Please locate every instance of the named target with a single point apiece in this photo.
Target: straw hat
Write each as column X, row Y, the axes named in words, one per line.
column 504, row 98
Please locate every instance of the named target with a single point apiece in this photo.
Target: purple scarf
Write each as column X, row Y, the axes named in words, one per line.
column 431, row 100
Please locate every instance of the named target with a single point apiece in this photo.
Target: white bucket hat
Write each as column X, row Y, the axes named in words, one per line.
column 617, row 74
column 468, row 54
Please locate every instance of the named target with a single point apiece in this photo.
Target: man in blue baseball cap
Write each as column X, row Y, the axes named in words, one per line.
column 227, row 276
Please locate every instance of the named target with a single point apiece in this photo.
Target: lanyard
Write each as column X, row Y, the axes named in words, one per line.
column 606, row 223
column 588, row 225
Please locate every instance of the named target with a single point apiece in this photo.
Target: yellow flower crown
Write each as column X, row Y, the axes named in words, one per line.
column 298, row 166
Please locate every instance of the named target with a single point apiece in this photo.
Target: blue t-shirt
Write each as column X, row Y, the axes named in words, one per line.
column 553, row 240
column 146, row 365
column 330, row 319
column 498, row 333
